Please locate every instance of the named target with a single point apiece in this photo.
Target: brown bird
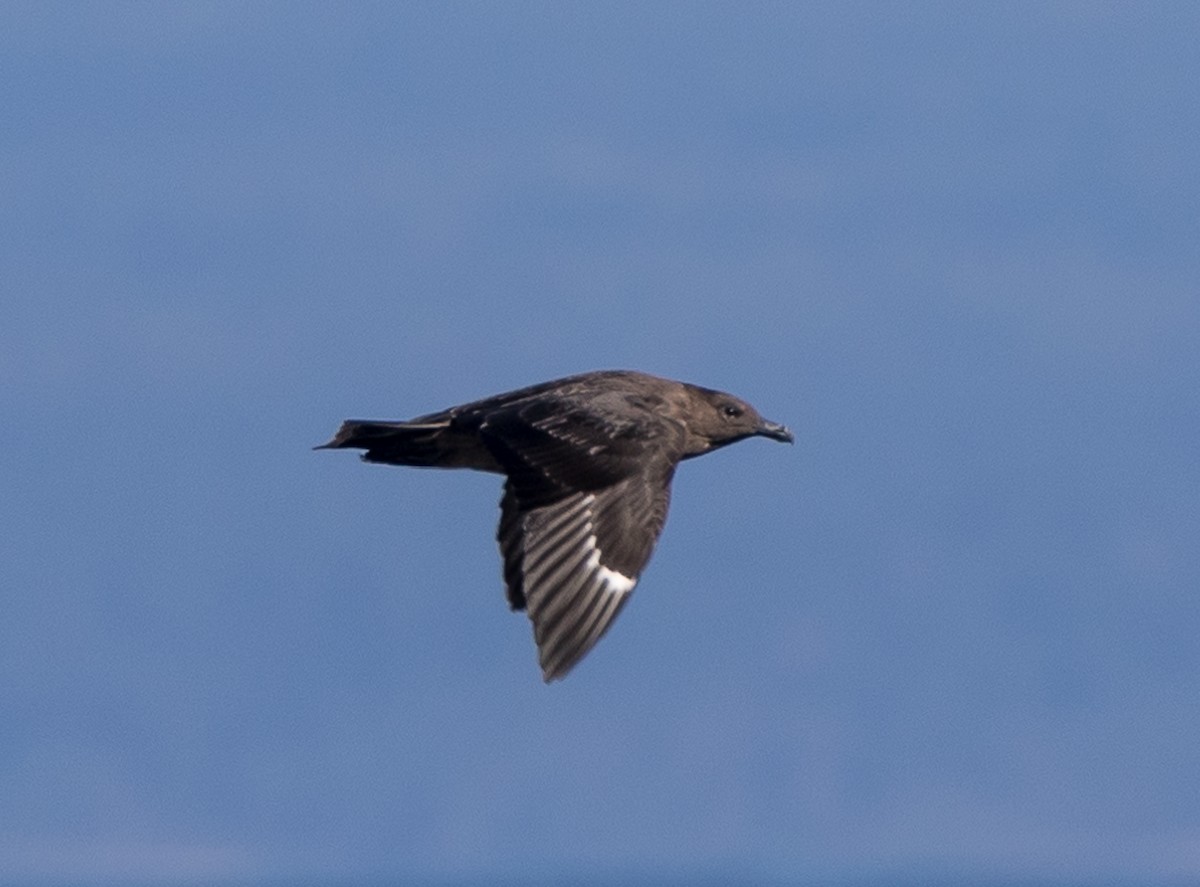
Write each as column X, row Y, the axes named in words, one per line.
column 588, row 462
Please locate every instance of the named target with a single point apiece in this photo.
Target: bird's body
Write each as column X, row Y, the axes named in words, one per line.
column 588, row 461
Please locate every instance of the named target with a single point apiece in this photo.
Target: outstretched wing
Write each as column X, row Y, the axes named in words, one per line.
column 585, row 501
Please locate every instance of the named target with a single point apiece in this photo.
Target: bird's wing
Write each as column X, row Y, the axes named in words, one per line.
column 573, row 563
column 583, row 506
column 550, row 447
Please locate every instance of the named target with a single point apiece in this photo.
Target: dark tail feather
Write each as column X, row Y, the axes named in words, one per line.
column 397, row 443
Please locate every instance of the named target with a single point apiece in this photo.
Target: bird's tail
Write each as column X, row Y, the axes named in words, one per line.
column 422, row 444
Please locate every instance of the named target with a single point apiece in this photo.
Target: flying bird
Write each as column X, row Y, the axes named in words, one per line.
column 588, row 462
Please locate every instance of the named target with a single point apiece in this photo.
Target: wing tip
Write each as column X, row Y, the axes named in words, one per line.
column 555, row 667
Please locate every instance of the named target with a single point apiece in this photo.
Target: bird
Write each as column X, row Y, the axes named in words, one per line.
column 588, row 462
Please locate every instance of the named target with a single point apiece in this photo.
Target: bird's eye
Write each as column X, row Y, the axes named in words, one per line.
column 731, row 411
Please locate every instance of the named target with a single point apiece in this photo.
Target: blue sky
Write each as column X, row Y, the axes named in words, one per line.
column 952, row 630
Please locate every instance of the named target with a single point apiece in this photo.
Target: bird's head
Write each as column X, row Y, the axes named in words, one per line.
column 717, row 419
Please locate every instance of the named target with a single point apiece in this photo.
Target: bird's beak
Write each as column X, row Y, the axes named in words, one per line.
column 775, row 431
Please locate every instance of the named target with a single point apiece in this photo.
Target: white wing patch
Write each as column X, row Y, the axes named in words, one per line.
column 614, row 582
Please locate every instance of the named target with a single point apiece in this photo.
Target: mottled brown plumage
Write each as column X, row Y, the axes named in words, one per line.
column 588, row 462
